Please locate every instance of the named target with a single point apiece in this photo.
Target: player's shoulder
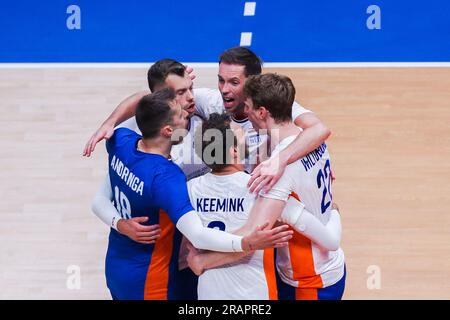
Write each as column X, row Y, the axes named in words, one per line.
column 241, row 177
column 210, row 183
column 298, row 110
column 130, row 124
column 197, row 182
column 208, row 101
column 236, row 178
column 159, row 171
column 300, row 107
column 196, row 120
column 124, row 133
column 121, row 137
column 168, row 169
column 283, row 145
column 206, row 93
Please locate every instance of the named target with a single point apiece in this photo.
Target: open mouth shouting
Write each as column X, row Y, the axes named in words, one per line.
column 190, row 109
column 228, row 102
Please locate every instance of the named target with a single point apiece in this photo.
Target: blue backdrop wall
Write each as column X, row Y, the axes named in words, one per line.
column 198, row 30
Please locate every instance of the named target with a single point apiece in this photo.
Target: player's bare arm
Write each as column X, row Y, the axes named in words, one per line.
column 125, row 110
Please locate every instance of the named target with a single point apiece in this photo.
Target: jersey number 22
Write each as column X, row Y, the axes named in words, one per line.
column 324, row 180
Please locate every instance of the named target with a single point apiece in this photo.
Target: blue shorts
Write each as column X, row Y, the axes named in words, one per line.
column 334, row 292
column 186, row 288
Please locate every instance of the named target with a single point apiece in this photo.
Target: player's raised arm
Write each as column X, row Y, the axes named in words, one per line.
column 125, row 110
column 314, row 133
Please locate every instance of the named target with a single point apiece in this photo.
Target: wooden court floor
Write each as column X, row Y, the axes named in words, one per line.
column 390, row 152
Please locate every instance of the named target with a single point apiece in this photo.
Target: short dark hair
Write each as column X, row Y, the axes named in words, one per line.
column 244, row 57
column 222, row 140
column 153, row 112
column 159, row 71
column 274, row 92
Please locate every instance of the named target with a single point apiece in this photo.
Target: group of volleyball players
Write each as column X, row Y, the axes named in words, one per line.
column 218, row 193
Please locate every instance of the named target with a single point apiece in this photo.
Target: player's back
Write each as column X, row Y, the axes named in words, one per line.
column 134, row 270
column 223, row 202
column 303, row 263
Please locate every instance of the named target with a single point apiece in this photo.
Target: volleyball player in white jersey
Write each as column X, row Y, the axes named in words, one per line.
column 222, row 201
column 235, row 66
column 306, row 270
column 312, row 266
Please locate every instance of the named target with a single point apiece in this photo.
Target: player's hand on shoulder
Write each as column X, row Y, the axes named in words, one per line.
column 266, row 174
column 263, row 237
column 135, row 230
column 104, row 132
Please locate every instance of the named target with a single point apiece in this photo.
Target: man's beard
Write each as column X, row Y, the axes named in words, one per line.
column 238, row 109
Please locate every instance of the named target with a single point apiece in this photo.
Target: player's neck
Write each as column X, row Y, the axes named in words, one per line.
column 232, row 168
column 280, row 131
column 239, row 114
column 157, row 145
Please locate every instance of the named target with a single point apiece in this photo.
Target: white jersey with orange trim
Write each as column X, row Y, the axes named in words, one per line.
column 208, row 101
column 304, row 264
column 182, row 154
column 224, row 202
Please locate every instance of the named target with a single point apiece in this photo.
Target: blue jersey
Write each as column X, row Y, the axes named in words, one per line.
column 144, row 185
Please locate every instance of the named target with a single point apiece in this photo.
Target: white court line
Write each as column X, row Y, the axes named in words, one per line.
column 357, row 65
column 214, row 65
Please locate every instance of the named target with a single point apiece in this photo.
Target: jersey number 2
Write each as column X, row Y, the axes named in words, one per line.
column 217, row 225
column 324, row 179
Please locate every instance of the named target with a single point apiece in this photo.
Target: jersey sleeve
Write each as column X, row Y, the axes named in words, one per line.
column 283, row 188
column 120, row 136
column 169, row 192
column 298, row 110
column 190, row 186
column 130, row 124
